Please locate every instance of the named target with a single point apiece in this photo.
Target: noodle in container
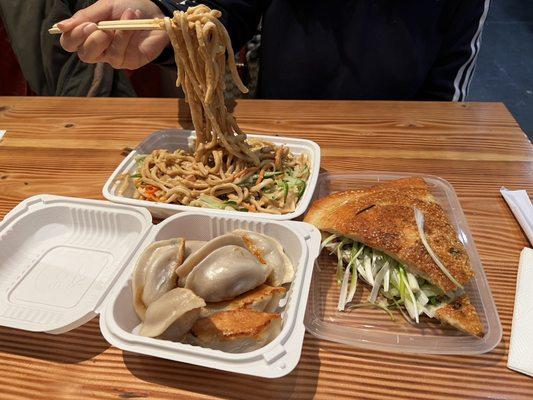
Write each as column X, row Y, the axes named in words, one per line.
column 184, row 139
column 220, row 168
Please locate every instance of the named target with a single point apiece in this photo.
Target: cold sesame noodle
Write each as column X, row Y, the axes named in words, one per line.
column 226, row 170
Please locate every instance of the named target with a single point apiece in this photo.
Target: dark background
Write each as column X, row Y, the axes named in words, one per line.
column 504, row 70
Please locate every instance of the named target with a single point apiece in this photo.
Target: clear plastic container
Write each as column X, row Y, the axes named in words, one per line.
column 172, row 140
column 65, row 260
column 372, row 328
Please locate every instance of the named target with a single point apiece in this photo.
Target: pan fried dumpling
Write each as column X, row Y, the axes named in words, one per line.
column 263, row 298
column 155, row 272
column 236, row 331
column 191, row 247
column 226, row 273
column 197, row 256
column 172, row 315
column 270, row 252
column 267, row 250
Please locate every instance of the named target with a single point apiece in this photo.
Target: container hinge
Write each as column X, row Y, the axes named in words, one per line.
column 23, row 207
column 304, row 230
column 275, row 354
column 36, row 203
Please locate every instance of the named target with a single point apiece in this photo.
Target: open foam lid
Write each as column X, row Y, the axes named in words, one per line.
column 60, row 257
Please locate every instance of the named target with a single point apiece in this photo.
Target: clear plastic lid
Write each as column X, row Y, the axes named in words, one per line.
column 372, row 328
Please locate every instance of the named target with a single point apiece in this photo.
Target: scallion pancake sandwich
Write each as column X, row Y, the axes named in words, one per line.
column 396, row 238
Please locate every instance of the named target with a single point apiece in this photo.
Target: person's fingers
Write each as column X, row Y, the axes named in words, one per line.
column 94, row 13
column 73, row 39
column 96, row 44
column 135, row 58
column 116, row 52
column 151, row 45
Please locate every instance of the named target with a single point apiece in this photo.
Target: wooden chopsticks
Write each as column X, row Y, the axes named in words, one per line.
column 125, row 25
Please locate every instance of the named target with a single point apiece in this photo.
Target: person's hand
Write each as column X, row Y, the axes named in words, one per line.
column 121, row 49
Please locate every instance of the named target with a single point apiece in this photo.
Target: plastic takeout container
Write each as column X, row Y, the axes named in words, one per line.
column 371, row 328
column 66, row 260
column 172, row 140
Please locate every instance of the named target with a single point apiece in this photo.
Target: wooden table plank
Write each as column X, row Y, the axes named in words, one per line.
column 70, row 147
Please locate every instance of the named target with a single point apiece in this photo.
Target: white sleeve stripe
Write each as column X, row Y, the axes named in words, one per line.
column 468, row 63
column 467, row 66
column 458, row 91
column 469, row 73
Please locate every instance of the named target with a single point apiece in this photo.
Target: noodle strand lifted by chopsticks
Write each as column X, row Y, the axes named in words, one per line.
column 201, row 44
column 226, row 171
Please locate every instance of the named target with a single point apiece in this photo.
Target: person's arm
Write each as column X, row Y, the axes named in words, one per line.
column 133, row 49
column 452, row 71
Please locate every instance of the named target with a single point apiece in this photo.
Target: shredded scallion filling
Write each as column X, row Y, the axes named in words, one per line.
column 392, row 284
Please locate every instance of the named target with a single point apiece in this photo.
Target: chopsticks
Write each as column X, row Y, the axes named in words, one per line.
column 125, row 25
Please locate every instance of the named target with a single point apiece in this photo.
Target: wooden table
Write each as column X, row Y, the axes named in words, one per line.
column 70, row 146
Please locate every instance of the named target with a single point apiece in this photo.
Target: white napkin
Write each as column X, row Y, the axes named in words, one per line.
column 2, row 133
column 522, row 209
column 521, row 347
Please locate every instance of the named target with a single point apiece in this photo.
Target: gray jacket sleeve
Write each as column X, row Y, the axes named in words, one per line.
column 48, row 69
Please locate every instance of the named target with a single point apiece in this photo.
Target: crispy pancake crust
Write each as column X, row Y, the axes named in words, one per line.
column 382, row 217
column 228, row 325
column 247, row 299
column 461, row 315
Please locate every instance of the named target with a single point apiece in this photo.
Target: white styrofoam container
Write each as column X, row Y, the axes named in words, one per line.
column 172, row 140
column 65, row 260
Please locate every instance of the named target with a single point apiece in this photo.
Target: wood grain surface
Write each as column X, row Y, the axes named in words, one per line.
column 70, row 146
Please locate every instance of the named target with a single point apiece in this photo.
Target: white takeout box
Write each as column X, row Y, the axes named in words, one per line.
column 174, row 139
column 65, row 260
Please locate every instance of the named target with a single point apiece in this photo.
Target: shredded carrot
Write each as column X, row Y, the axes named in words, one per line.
column 150, row 189
column 249, row 207
column 260, row 176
